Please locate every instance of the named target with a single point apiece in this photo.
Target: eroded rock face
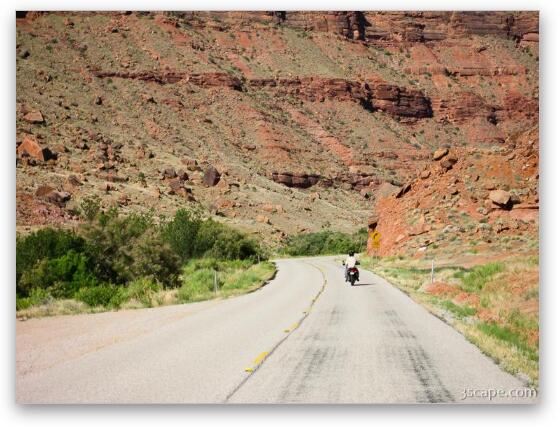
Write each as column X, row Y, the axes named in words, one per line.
column 400, row 101
column 392, row 99
column 209, row 79
column 351, row 25
column 455, row 206
column 439, row 26
column 360, row 126
column 295, row 180
column 372, row 26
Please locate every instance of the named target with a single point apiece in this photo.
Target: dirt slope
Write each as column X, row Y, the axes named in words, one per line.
column 306, row 116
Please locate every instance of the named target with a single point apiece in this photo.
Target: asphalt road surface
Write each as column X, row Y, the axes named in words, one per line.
column 306, row 337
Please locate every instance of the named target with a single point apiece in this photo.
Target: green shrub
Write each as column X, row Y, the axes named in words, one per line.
column 152, row 257
column 227, row 243
column 90, row 207
column 37, row 296
column 181, row 233
column 325, row 242
column 190, row 237
column 101, row 295
column 124, row 249
column 46, row 243
column 142, row 290
column 115, row 259
column 62, row 276
column 22, row 303
column 196, row 285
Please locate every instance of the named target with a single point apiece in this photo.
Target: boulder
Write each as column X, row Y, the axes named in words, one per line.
column 169, row 173
column 500, row 197
column 440, row 153
column 295, row 180
column 123, row 200
column 177, row 188
column 58, row 197
column 448, row 163
column 403, row 190
column 190, row 164
column 211, row 176
column 425, row 174
column 30, row 146
column 270, row 208
column 51, row 195
column 263, row 219
column 107, row 187
column 73, row 180
column 35, row 117
column 182, row 175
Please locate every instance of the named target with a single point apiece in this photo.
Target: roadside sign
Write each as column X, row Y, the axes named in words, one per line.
column 375, row 239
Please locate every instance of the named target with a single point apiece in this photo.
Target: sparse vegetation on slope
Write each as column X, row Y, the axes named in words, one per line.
column 121, row 98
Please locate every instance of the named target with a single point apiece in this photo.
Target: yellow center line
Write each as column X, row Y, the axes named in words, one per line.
column 263, row 355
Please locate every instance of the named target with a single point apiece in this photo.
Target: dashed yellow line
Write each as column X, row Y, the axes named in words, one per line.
column 263, row 355
column 292, row 327
column 258, row 360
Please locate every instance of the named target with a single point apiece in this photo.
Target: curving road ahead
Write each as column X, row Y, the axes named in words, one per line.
column 307, row 337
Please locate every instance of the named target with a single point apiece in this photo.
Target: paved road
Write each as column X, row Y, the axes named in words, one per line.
column 307, row 337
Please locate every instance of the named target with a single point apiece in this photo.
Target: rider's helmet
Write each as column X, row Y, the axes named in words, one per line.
column 350, row 253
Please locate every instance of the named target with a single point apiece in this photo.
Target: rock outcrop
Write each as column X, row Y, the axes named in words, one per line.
column 439, row 26
column 211, row 176
column 458, row 204
column 345, row 107
column 295, row 180
column 209, row 79
column 31, row 147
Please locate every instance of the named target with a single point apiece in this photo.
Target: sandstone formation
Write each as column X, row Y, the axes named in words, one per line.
column 453, row 207
column 322, row 113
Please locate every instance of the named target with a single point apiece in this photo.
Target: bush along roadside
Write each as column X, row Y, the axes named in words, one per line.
column 325, row 242
column 495, row 305
column 113, row 262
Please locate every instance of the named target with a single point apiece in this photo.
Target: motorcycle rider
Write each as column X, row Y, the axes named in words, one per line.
column 350, row 262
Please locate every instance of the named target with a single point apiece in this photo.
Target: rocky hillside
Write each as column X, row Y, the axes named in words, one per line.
column 466, row 199
column 276, row 122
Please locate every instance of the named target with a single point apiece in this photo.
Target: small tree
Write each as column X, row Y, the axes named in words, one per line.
column 181, row 233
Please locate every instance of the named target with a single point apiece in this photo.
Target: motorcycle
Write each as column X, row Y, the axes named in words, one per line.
column 353, row 275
